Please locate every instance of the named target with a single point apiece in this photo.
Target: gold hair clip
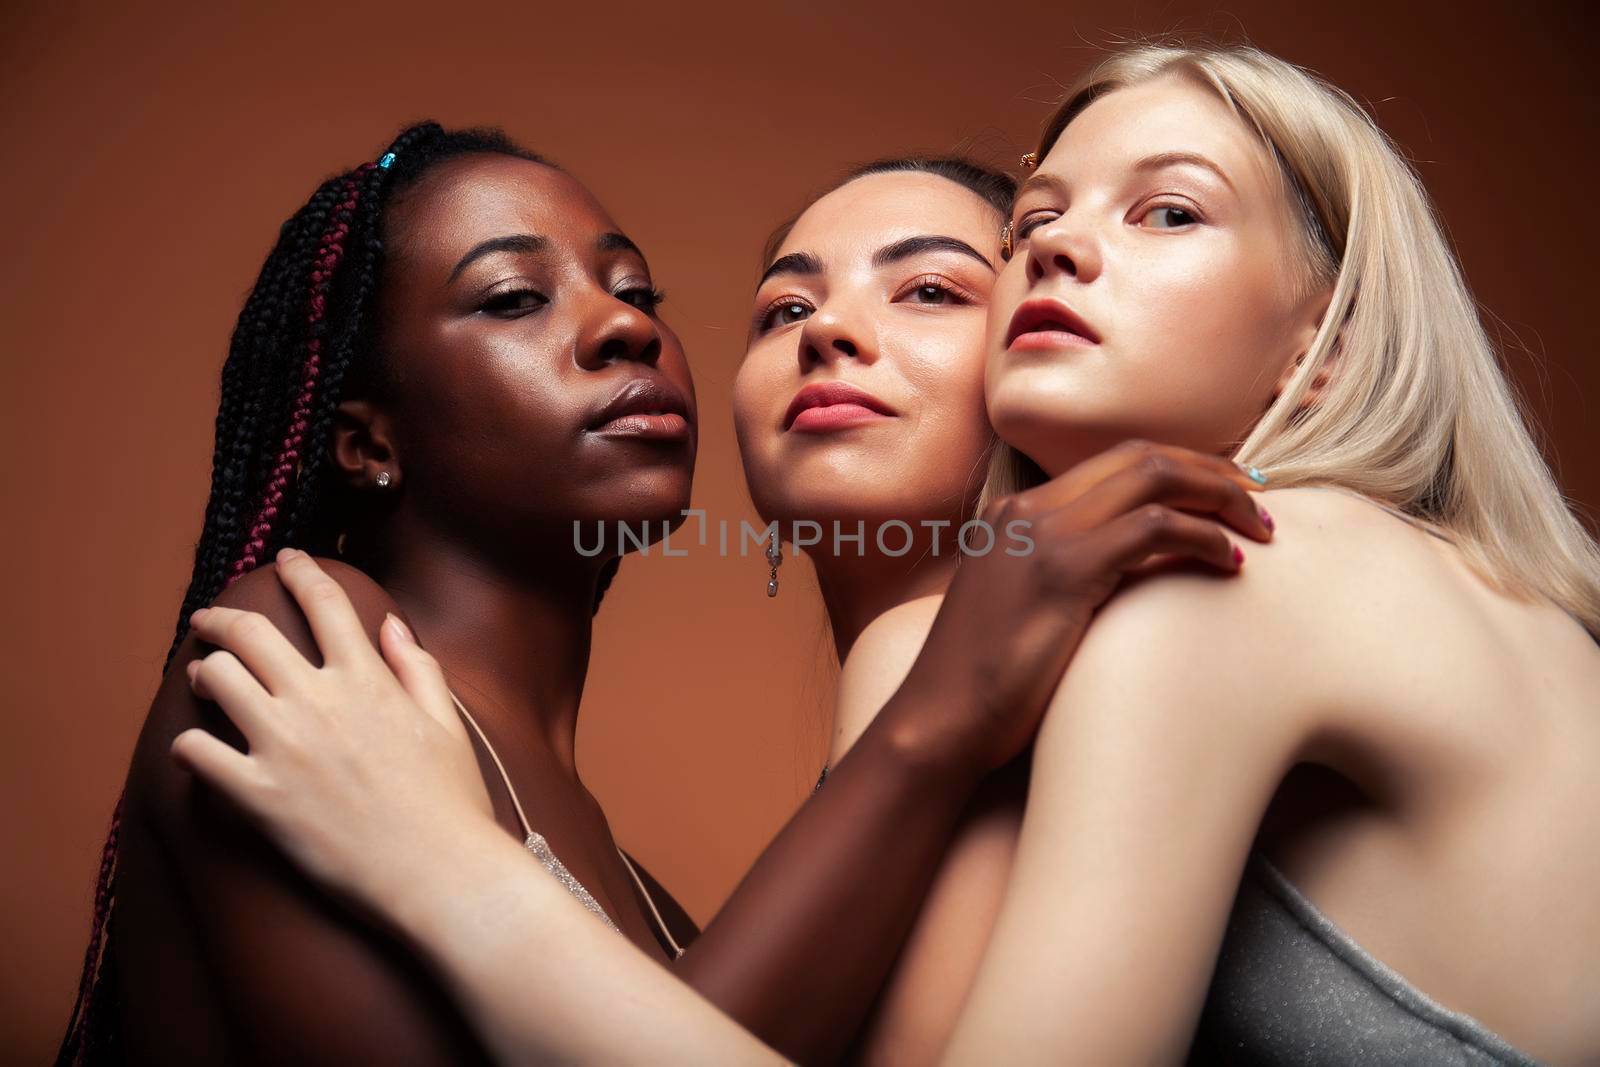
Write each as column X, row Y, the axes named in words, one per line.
column 1005, row 240
column 1030, row 160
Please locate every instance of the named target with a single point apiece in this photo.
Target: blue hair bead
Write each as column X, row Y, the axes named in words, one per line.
column 387, row 161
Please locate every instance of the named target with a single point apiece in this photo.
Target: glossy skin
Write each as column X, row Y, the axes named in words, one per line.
column 1190, row 280
column 907, row 331
column 531, row 345
column 472, row 542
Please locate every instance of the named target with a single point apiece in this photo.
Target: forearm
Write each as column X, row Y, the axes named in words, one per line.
column 799, row 952
column 541, row 980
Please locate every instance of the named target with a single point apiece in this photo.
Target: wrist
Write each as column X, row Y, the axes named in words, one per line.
column 915, row 732
column 426, row 900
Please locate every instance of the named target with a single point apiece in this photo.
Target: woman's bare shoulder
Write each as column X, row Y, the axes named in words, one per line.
column 1354, row 618
column 1332, row 552
column 897, row 632
column 156, row 784
column 302, row 981
column 877, row 663
column 260, row 591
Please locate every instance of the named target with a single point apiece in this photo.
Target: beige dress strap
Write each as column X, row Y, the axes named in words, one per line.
column 535, row 843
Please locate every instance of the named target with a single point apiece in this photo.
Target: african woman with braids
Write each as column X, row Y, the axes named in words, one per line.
column 450, row 356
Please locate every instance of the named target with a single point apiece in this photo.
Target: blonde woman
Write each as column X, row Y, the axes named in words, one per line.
column 1370, row 834
column 1367, row 834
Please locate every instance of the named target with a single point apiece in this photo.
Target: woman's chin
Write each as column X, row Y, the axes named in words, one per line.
column 1057, row 438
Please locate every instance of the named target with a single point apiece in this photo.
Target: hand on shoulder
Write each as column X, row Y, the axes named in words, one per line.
column 262, row 592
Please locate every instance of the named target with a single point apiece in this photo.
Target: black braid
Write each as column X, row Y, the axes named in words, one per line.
column 264, row 383
column 256, row 360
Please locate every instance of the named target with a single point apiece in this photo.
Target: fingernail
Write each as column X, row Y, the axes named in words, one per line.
column 192, row 668
column 401, row 628
column 1238, row 556
column 194, row 619
column 1256, row 475
column 287, row 553
column 1266, row 520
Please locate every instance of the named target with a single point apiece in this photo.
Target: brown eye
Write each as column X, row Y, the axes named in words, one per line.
column 935, row 290
column 645, row 299
column 513, row 302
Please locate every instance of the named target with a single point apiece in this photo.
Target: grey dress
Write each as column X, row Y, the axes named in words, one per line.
column 1292, row 988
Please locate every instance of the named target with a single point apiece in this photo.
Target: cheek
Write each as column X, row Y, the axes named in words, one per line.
column 944, row 371
column 1010, row 289
column 755, row 385
column 760, row 396
column 1200, row 335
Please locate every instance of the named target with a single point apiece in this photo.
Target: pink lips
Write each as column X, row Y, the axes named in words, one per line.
column 826, row 406
column 1048, row 324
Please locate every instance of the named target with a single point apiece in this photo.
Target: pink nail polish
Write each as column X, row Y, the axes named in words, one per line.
column 1238, row 556
column 1266, row 520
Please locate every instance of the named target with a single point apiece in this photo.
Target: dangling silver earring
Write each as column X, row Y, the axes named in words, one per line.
column 774, row 557
column 383, row 479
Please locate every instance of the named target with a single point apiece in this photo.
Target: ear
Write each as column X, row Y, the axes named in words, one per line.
column 363, row 446
column 1304, row 333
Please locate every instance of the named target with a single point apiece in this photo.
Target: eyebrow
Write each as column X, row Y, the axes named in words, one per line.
column 808, row 265
column 1041, row 181
column 528, row 242
column 1158, row 161
column 516, row 242
column 1162, row 160
column 916, row 246
column 617, row 242
column 802, row 263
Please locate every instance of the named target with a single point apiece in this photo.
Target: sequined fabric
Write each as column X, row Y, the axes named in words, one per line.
column 541, row 850
column 1291, row 988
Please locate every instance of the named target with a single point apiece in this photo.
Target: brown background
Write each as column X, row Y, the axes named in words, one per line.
column 150, row 157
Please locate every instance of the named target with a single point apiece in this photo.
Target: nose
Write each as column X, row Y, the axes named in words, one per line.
column 831, row 334
column 619, row 332
column 1063, row 246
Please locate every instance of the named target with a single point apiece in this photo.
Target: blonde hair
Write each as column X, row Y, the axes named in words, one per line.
column 1416, row 413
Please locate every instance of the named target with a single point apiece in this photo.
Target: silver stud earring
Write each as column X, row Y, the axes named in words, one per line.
column 774, row 557
column 383, row 479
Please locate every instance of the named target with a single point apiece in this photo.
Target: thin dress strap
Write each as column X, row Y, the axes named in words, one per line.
column 535, row 843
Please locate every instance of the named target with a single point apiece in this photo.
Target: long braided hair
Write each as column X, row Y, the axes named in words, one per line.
column 306, row 329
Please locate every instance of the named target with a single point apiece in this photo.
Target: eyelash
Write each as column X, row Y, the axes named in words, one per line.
column 653, row 297
column 1027, row 224
column 927, row 281
column 758, row 324
column 941, row 283
column 503, row 302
